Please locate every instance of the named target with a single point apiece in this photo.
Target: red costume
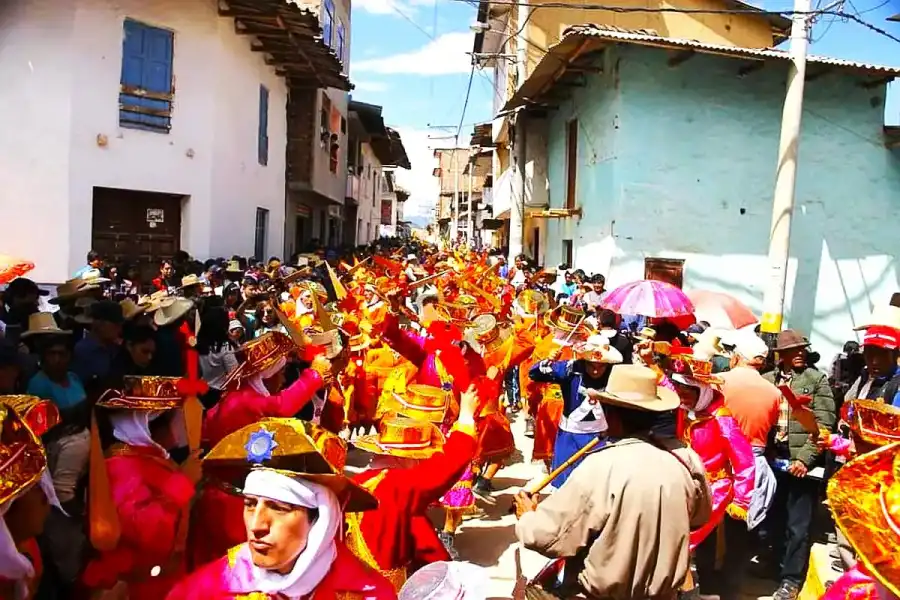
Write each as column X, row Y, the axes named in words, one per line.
column 152, row 499
column 231, row 578
column 398, row 534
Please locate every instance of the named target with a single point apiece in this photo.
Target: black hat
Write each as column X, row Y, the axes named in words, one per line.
column 22, row 287
column 106, row 310
column 9, row 354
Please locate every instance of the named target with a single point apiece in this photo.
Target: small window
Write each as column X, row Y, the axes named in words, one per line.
column 568, row 253
column 262, row 229
column 146, row 90
column 340, row 42
column 263, row 134
column 670, row 270
column 327, row 22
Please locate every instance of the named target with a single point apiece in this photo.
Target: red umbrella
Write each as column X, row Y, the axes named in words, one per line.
column 721, row 310
column 648, row 298
column 11, row 267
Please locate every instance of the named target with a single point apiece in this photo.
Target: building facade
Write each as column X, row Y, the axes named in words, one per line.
column 514, row 38
column 665, row 169
column 141, row 128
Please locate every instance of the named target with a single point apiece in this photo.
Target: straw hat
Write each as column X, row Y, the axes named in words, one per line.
column 40, row 415
column 598, row 350
column 72, row 289
column 43, row 323
column 864, row 497
column 403, row 437
column 261, row 354
column 144, row 393
column 131, row 309
column 22, row 457
column 93, row 277
column 190, row 281
column 693, row 371
column 293, row 448
column 887, row 315
column 634, row 386
column 169, row 312
column 156, row 300
column 421, row 402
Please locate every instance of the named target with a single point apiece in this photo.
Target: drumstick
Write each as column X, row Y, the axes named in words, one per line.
column 571, row 460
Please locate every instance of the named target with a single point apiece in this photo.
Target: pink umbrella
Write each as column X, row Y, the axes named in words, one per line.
column 721, row 310
column 648, row 298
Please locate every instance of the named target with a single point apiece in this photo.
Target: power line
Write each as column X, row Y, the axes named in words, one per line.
column 462, row 117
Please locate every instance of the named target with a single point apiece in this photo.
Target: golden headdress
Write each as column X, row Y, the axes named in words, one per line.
column 22, row 457
column 864, row 496
column 293, row 448
column 261, row 354
column 403, row 437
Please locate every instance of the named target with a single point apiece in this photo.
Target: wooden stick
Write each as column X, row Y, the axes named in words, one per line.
column 420, row 282
column 572, row 460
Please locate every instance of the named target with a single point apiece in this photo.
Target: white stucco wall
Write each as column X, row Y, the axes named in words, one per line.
column 369, row 209
column 61, row 66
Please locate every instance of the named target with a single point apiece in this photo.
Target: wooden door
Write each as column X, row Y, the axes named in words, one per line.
column 670, row 270
column 136, row 228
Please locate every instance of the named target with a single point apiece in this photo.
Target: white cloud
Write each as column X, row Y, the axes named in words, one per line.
column 419, row 181
column 379, row 7
column 445, row 55
column 370, row 86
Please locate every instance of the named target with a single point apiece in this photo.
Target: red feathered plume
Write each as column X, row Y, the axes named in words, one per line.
column 441, row 341
column 308, row 353
column 391, row 266
column 487, row 390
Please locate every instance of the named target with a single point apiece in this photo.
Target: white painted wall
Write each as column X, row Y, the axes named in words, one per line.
column 369, row 209
column 61, row 66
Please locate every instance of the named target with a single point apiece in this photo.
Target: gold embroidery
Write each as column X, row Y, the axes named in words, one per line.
column 232, row 556
column 357, row 544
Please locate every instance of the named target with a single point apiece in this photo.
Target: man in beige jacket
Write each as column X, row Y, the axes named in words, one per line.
column 623, row 518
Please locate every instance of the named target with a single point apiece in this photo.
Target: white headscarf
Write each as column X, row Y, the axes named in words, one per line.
column 316, row 559
column 132, row 427
column 707, row 393
column 256, row 382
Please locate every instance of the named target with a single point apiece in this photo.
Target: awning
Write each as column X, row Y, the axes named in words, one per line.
column 555, row 213
column 390, row 151
column 291, row 36
column 370, row 117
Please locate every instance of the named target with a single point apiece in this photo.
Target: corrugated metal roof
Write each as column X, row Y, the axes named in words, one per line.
column 577, row 40
column 650, row 38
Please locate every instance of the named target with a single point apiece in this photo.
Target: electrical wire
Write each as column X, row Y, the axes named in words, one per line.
column 462, row 117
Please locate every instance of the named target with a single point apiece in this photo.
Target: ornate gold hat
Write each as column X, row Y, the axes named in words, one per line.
column 148, row 392
column 531, row 304
column 421, row 402
column 260, row 354
column 403, row 437
column 566, row 320
column 876, row 423
column 864, row 496
column 22, row 458
column 688, row 370
column 40, row 415
column 293, row 448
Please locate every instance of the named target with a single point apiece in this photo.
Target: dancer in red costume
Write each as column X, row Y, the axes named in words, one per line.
column 150, row 494
column 411, row 469
column 292, row 520
column 216, row 523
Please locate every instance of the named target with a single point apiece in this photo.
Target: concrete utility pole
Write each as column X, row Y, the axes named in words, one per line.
column 786, row 174
column 470, row 226
column 517, row 210
column 454, row 222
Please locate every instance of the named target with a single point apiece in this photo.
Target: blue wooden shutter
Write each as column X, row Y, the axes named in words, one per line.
column 147, row 55
column 263, row 135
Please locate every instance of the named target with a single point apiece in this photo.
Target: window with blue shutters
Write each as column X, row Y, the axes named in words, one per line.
column 340, row 42
column 328, row 22
column 263, row 135
column 146, row 90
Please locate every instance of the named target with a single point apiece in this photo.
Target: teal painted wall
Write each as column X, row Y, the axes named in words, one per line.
column 679, row 162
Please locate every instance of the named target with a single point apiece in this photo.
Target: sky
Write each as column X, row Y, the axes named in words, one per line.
column 409, row 56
